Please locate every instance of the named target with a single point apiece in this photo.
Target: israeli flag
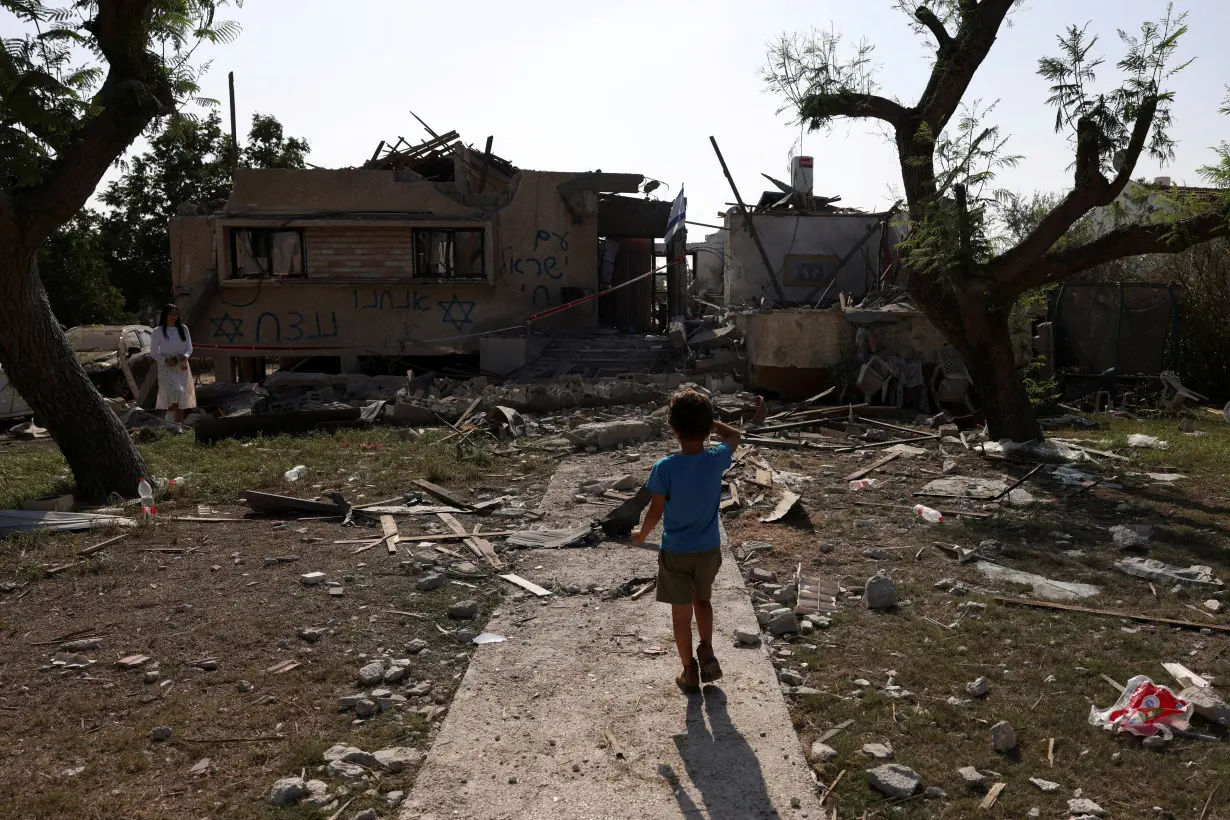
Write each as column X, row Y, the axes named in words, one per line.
column 678, row 214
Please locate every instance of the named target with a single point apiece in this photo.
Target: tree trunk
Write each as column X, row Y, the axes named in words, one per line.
column 44, row 370
column 976, row 324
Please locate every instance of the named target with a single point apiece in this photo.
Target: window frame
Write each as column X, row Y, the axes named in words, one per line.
column 422, row 257
column 297, row 230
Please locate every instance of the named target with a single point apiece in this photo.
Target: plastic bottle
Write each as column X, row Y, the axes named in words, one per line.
column 295, row 473
column 146, row 492
column 865, row 484
column 928, row 514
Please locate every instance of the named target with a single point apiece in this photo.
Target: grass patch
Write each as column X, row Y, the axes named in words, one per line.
column 358, row 463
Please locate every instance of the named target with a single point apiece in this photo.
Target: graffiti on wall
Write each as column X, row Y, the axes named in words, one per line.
column 548, row 257
column 280, row 327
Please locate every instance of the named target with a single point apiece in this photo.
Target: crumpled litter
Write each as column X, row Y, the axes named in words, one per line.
column 1143, row 442
column 488, row 637
column 1145, row 709
column 1052, row 452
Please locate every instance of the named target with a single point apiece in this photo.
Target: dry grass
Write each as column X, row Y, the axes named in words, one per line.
column 933, row 653
column 178, row 607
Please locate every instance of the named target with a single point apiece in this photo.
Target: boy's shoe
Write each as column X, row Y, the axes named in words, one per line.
column 689, row 679
column 710, row 669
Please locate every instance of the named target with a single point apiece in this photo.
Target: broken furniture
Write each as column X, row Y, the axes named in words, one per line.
column 875, row 375
column 950, row 381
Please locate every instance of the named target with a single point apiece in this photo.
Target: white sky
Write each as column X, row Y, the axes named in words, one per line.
column 636, row 86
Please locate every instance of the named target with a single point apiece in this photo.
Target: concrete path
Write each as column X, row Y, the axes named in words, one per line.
column 528, row 733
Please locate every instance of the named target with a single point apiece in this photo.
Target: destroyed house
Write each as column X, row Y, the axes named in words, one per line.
column 423, row 250
column 812, row 286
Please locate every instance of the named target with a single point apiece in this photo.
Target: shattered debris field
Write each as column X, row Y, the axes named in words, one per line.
column 257, row 673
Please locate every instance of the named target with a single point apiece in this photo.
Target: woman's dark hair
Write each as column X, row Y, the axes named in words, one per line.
column 179, row 323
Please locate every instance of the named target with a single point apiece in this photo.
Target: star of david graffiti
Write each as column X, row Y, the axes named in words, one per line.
column 462, row 317
column 228, row 328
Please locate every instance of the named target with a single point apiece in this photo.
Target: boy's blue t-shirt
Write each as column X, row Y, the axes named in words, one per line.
column 692, row 485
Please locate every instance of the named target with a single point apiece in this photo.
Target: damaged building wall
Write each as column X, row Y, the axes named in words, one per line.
column 798, row 353
column 804, row 249
column 710, row 278
column 352, row 285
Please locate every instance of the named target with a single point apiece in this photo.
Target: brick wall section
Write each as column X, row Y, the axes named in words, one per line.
column 359, row 252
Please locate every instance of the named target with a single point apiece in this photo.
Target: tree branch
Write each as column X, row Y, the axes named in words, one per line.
column 852, row 104
column 1091, row 190
column 135, row 91
column 955, row 69
column 1132, row 240
column 927, row 17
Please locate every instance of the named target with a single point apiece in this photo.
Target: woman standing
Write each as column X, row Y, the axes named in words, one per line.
column 170, row 346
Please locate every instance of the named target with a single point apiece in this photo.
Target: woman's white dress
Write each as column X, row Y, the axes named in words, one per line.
column 175, row 385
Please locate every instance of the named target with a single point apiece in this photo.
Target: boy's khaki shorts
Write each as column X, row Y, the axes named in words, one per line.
column 684, row 577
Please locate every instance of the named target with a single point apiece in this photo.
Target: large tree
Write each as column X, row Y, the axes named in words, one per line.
column 962, row 280
column 84, row 81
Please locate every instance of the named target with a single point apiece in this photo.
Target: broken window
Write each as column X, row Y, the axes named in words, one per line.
column 448, row 253
column 266, row 252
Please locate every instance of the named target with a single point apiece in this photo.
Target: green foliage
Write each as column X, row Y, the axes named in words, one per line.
column 1113, row 112
column 1043, row 392
column 52, row 81
column 75, row 272
column 809, row 69
column 1218, row 174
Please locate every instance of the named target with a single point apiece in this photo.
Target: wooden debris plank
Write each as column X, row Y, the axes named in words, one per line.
column 276, row 503
column 1116, row 684
column 945, row 513
column 992, row 796
column 616, row 750
column 99, row 547
column 481, row 546
column 366, row 546
column 282, row 666
column 733, row 501
column 783, row 508
column 1186, row 677
column 528, row 586
column 50, row 571
column 857, row 474
column 878, row 444
column 1050, row 751
column 833, row 732
column 388, row 526
column 449, row 552
column 1131, row 617
column 441, row 493
column 442, row 536
column 911, row 430
column 643, row 589
column 468, row 411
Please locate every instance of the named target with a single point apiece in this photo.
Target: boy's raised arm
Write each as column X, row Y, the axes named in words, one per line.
column 728, row 434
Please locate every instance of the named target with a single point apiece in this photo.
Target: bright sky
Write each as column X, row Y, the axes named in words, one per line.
column 638, row 86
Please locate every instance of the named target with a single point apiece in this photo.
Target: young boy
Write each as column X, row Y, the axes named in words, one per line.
column 687, row 486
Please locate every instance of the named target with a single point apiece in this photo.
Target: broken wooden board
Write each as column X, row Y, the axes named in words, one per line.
column 441, row 493
column 412, row 509
column 528, row 586
column 1185, row 677
column 481, row 546
column 549, row 539
column 816, row 595
column 992, row 796
column 389, row 527
column 857, row 474
column 272, row 502
column 1129, row 616
column 733, row 501
column 283, row 667
column 783, row 508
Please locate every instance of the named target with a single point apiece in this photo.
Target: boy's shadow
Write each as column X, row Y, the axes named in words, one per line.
column 720, row 764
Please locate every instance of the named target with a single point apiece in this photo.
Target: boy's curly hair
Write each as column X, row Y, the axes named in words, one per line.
column 691, row 414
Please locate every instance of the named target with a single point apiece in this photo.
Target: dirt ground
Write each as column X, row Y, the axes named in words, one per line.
column 79, row 742
column 1045, row 668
